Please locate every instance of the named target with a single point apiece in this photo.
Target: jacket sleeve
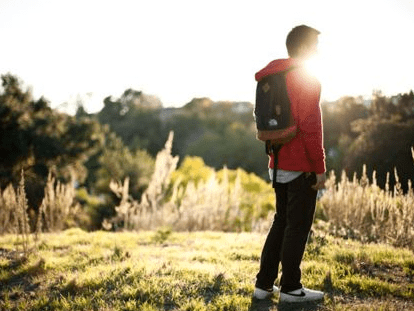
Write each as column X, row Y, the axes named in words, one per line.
column 310, row 120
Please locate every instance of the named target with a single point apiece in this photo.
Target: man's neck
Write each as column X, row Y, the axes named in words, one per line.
column 299, row 60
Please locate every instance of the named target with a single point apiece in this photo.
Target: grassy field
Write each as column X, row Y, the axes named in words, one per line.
column 164, row 270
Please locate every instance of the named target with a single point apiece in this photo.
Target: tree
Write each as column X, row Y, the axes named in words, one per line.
column 116, row 162
column 382, row 106
column 37, row 139
column 405, row 105
column 134, row 117
column 383, row 144
column 236, row 147
column 338, row 132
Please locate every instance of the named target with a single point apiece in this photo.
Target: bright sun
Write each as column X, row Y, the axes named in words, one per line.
column 314, row 66
column 325, row 69
column 334, row 66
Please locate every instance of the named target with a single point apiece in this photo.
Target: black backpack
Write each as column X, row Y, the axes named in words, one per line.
column 274, row 120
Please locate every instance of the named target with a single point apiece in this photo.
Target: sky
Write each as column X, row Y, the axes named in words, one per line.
column 70, row 51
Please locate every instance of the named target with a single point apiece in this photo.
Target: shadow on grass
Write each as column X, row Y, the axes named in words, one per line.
column 23, row 279
column 269, row 305
column 259, row 305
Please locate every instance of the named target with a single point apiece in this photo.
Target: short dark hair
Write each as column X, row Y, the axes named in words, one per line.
column 300, row 35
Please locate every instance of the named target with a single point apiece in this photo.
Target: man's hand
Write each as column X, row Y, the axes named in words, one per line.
column 320, row 182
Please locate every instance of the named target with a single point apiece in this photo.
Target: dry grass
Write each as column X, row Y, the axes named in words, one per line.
column 8, row 208
column 360, row 209
column 210, row 205
column 354, row 208
column 22, row 219
column 14, row 214
column 58, row 206
column 143, row 215
column 56, row 210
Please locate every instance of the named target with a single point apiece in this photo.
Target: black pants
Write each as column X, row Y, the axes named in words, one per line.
column 286, row 240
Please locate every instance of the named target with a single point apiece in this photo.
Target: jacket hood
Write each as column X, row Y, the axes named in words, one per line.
column 276, row 66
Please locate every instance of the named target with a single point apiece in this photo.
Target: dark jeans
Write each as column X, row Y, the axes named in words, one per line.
column 286, row 240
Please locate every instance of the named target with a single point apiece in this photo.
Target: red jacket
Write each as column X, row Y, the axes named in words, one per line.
column 305, row 151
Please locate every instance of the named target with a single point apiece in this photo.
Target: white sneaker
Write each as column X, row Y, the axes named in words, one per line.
column 262, row 294
column 301, row 295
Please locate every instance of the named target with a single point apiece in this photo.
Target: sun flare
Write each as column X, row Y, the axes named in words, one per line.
column 329, row 73
column 315, row 67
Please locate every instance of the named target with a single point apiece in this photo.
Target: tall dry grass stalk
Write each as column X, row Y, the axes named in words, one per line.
column 136, row 215
column 22, row 215
column 54, row 214
column 355, row 208
column 14, row 214
column 8, row 208
column 361, row 210
column 57, row 207
column 211, row 205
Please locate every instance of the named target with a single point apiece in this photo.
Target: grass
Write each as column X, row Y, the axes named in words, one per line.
column 193, row 198
column 166, row 270
column 359, row 209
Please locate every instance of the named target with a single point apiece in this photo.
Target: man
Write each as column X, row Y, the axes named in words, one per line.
column 300, row 174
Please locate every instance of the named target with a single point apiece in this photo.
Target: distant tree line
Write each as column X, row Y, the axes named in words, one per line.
column 123, row 138
column 221, row 133
column 379, row 134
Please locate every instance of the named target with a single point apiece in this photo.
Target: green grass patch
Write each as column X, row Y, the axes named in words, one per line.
column 166, row 270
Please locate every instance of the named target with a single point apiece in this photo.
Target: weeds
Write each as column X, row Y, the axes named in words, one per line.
column 56, row 208
column 354, row 209
column 161, row 235
column 58, row 205
column 14, row 214
column 213, row 204
column 22, row 218
column 8, row 207
column 361, row 210
column 150, row 212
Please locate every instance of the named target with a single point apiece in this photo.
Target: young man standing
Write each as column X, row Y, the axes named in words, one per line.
column 300, row 174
